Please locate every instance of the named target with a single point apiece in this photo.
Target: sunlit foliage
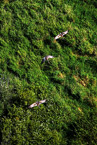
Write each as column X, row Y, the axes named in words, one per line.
column 68, row 81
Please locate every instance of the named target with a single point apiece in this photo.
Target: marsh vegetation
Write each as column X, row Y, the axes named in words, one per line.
column 68, row 82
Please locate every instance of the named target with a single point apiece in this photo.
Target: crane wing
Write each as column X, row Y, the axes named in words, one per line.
column 64, row 33
column 49, row 56
column 57, row 37
column 43, row 60
column 33, row 105
column 42, row 101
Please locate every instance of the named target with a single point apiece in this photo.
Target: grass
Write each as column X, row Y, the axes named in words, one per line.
column 68, row 82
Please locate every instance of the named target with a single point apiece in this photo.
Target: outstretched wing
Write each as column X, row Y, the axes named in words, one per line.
column 42, row 101
column 49, row 56
column 61, row 34
column 64, row 33
column 43, row 60
column 33, row 105
column 57, row 37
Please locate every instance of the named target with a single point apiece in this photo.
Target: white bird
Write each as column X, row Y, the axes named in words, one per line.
column 61, row 35
column 46, row 58
column 37, row 103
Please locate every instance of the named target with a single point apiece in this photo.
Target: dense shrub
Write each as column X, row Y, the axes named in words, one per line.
column 68, row 82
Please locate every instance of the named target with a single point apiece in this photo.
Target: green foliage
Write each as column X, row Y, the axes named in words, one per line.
column 68, row 81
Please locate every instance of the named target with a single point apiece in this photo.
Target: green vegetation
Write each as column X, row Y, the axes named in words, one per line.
column 68, row 82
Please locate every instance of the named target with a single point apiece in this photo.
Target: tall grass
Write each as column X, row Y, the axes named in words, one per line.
column 68, row 81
